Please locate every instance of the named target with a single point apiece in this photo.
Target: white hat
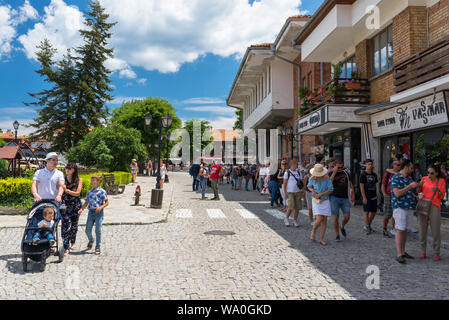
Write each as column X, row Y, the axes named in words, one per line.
column 318, row 171
column 51, row 155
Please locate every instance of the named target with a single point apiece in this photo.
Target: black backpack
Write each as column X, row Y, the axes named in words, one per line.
column 299, row 182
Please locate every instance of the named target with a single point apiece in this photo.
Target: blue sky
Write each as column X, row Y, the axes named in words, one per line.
column 190, row 59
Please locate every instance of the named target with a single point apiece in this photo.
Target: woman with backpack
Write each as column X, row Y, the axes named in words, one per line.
column 204, row 177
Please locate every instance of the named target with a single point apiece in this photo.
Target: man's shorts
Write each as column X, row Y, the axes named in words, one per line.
column 388, row 210
column 370, row 206
column 338, row 204
column 403, row 218
column 294, row 200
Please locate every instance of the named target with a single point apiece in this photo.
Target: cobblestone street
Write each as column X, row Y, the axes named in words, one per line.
column 183, row 259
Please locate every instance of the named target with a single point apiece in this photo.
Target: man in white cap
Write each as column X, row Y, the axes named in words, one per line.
column 48, row 182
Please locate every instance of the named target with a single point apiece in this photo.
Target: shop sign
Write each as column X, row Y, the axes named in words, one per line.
column 426, row 112
column 311, row 121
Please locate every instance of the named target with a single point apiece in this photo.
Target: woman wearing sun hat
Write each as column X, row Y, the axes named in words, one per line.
column 321, row 187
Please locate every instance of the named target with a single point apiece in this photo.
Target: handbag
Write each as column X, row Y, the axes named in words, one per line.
column 424, row 205
column 349, row 191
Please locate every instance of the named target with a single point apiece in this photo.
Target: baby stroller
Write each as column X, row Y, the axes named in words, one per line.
column 42, row 250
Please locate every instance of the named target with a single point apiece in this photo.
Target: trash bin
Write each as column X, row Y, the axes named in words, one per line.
column 156, row 198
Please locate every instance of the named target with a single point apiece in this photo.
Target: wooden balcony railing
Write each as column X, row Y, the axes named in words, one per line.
column 422, row 67
column 338, row 91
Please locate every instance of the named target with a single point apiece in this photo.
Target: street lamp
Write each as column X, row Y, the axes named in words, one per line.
column 16, row 125
column 288, row 132
column 166, row 123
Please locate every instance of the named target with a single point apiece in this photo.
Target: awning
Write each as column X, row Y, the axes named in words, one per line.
column 10, row 152
column 374, row 108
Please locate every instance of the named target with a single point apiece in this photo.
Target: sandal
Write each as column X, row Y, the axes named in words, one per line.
column 97, row 251
column 323, row 243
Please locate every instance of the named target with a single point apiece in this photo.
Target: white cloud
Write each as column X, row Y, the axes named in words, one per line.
column 204, row 100
column 6, row 123
column 60, row 24
column 7, row 31
column 162, row 35
column 142, row 81
column 120, row 100
column 128, row 74
column 216, row 123
column 26, row 12
column 214, row 109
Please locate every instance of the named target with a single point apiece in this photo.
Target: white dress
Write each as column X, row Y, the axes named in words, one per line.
column 322, row 209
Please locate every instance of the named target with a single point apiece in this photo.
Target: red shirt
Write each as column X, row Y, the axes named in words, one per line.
column 215, row 171
column 428, row 193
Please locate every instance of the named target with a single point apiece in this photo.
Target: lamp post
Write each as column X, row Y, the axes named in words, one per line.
column 166, row 122
column 16, row 125
column 288, row 132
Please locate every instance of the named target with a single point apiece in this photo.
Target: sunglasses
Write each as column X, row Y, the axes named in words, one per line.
column 396, row 164
column 430, row 173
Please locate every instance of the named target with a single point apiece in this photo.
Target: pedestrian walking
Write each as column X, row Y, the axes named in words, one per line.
column 386, row 191
column 273, row 187
column 48, row 182
column 283, row 195
column 343, row 192
column 321, row 187
column 246, row 175
column 216, row 171
column 150, row 168
column 228, row 172
column 253, row 175
column 204, row 177
column 97, row 200
column 263, row 178
column 163, row 170
column 134, row 169
column 195, row 171
column 235, row 177
column 239, row 177
column 309, row 194
column 432, row 188
column 72, row 200
column 445, row 177
column 404, row 205
column 368, row 188
column 294, row 189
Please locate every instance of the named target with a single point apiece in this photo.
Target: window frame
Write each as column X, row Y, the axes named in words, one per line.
column 376, row 41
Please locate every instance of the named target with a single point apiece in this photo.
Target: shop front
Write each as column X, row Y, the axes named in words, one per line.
column 341, row 132
column 418, row 130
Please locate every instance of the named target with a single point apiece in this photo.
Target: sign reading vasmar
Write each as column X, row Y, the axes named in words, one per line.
column 426, row 112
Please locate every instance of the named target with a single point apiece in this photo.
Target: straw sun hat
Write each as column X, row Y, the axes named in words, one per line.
column 318, row 171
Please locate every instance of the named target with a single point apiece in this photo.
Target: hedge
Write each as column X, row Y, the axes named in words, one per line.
column 16, row 192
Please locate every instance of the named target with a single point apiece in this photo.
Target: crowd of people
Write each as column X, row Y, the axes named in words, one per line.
column 328, row 191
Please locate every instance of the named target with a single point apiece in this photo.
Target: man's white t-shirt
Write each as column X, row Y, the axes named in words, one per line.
column 292, row 184
column 47, row 188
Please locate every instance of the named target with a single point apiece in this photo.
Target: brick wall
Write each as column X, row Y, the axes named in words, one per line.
column 382, row 88
column 363, row 58
column 409, row 32
column 438, row 21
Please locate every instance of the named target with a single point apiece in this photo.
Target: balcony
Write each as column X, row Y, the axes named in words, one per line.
column 337, row 91
column 423, row 67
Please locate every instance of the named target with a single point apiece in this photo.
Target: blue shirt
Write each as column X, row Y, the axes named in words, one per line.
column 96, row 198
column 321, row 185
column 407, row 201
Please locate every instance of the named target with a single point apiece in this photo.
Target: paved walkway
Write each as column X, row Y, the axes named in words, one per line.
column 228, row 249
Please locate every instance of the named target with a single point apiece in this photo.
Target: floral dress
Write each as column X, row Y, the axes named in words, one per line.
column 71, row 216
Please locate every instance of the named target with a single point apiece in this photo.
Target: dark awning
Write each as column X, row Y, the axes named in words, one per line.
column 374, row 108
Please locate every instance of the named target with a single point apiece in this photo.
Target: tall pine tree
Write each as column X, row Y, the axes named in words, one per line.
column 80, row 85
column 94, row 79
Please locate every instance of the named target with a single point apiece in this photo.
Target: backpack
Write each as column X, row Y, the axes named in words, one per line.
column 299, row 182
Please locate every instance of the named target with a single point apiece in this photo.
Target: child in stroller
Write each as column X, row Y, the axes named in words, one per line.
column 47, row 223
column 40, row 238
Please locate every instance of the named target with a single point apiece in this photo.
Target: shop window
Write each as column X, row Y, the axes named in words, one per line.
column 383, row 51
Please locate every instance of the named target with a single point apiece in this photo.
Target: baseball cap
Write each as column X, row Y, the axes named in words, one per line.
column 51, row 155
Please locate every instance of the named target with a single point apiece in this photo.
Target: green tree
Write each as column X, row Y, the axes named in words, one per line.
column 56, row 117
column 3, row 163
column 114, row 145
column 132, row 115
column 205, row 125
column 94, row 83
column 239, row 121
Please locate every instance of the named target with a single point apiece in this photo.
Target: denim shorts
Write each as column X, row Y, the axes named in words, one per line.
column 370, row 206
column 340, row 203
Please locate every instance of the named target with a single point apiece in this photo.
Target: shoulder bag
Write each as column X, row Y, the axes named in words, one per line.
column 424, row 205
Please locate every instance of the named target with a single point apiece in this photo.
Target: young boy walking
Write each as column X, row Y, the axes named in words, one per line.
column 97, row 200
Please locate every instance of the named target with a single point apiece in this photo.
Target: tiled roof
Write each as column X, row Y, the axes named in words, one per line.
column 301, row 16
column 10, row 135
column 261, row 45
column 8, row 152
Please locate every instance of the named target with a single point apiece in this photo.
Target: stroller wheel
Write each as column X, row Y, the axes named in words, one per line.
column 24, row 262
column 61, row 254
column 43, row 262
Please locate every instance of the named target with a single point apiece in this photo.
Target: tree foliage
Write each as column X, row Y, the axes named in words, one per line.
column 205, row 125
column 113, row 146
column 79, row 85
column 239, row 121
column 132, row 115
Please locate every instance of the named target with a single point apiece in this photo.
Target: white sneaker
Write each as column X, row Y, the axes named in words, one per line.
column 393, row 232
column 413, row 230
column 287, row 223
column 295, row 224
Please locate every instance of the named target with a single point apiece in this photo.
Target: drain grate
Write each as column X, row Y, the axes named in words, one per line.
column 219, row 233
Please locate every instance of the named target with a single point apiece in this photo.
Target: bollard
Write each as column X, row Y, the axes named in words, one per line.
column 156, row 198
